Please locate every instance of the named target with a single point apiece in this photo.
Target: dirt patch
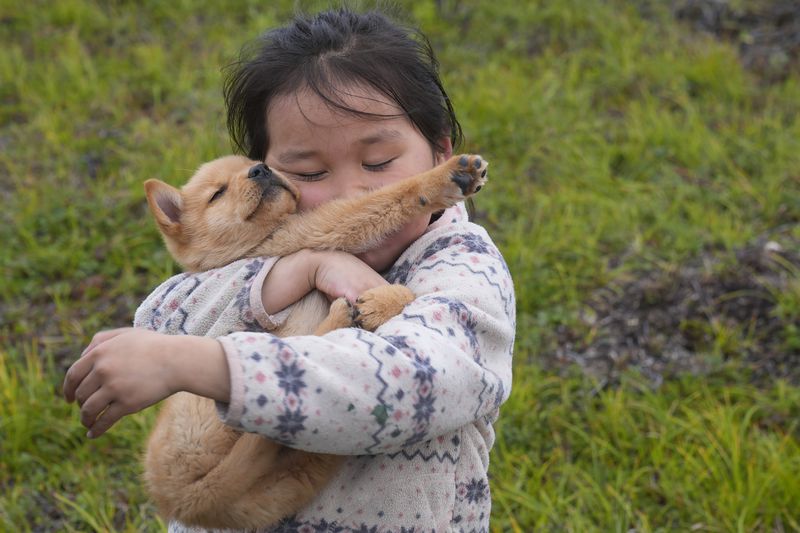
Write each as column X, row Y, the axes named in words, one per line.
column 691, row 318
column 767, row 32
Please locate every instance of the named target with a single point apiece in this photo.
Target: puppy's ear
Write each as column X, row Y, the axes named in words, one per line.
column 166, row 204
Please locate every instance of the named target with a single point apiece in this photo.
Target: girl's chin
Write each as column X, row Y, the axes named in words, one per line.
column 382, row 257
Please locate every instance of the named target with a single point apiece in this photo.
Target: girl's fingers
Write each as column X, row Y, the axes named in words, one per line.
column 80, row 368
column 93, row 406
column 114, row 412
column 86, row 388
column 75, row 376
column 103, row 336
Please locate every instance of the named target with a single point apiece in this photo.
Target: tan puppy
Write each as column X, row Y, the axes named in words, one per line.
column 198, row 470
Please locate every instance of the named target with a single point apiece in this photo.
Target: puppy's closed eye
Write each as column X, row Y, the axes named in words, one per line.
column 218, row 194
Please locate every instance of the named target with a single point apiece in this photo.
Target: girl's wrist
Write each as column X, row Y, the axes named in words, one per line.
column 309, row 262
column 197, row 365
column 291, row 278
column 313, row 263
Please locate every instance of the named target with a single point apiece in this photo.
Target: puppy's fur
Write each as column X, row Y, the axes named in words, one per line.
column 198, row 470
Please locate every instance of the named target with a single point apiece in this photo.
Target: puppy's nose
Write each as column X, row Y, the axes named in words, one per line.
column 259, row 172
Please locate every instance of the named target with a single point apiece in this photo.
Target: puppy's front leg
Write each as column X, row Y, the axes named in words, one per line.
column 449, row 183
column 372, row 309
column 359, row 224
column 365, row 221
column 376, row 306
column 340, row 315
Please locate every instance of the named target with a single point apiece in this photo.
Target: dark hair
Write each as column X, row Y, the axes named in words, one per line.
column 330, row 49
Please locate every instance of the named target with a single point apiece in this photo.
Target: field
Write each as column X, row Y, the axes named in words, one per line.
column 645, row 192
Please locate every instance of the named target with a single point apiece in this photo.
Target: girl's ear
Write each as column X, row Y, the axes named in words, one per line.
column 166, row 204
column 447, row 145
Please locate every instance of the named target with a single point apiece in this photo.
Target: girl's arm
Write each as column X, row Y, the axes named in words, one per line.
column 337, row 274
column 210, row 303
column 444, row 363
column 249, row 294
column 125, row 370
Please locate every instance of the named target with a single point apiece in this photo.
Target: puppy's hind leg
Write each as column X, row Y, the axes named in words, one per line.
column 277, row 496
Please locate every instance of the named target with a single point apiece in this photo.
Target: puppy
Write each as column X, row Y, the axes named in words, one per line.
column 198, row 470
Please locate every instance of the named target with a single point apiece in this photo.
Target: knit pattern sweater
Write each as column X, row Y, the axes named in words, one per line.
column 411, row 405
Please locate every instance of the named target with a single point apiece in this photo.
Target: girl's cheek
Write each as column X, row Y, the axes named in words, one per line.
column 311, row 196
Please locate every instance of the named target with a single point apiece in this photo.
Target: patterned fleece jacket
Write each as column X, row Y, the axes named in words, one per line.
column 412, row 404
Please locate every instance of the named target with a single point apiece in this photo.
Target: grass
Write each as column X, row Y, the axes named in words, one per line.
column 617, row 137
column 705, row 456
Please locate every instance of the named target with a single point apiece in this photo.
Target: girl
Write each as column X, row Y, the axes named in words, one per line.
column 342, row 103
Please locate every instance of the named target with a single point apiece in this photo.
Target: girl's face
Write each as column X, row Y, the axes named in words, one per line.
column 330, row 154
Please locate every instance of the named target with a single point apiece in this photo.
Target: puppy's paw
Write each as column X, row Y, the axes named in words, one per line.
column 469, row 174
column 342, row 311
column 340, row 315
column 458, row 178
column 376, row 306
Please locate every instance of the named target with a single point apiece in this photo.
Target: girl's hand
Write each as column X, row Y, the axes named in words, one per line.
column 121, row 372
column 124, row 370
column 339, row 274
column 334, row 273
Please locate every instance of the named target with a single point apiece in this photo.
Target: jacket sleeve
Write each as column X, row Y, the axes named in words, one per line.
column 211, row 303
column 443, row 363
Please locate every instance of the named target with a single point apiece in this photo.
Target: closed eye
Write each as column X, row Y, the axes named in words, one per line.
column 379, row 166
column 219, row 193
column 312, row 176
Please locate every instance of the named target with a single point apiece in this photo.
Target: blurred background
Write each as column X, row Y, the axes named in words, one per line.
column 645, row 192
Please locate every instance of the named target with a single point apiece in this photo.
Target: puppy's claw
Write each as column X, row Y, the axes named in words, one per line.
column 378, row 305
column 355, row 314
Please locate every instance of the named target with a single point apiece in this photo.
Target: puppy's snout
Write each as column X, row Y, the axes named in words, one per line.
column 259, row 172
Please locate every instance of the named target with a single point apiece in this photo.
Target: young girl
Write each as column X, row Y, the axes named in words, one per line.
column 342, row 103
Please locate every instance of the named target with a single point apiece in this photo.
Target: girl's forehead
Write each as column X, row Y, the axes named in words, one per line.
column 305, row 108
column 304, row 121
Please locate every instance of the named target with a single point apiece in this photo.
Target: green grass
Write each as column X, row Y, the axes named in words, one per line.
column 713, row 456
column 616, row 137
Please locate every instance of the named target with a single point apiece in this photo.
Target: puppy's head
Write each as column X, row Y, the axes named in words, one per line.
column 229, row 206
